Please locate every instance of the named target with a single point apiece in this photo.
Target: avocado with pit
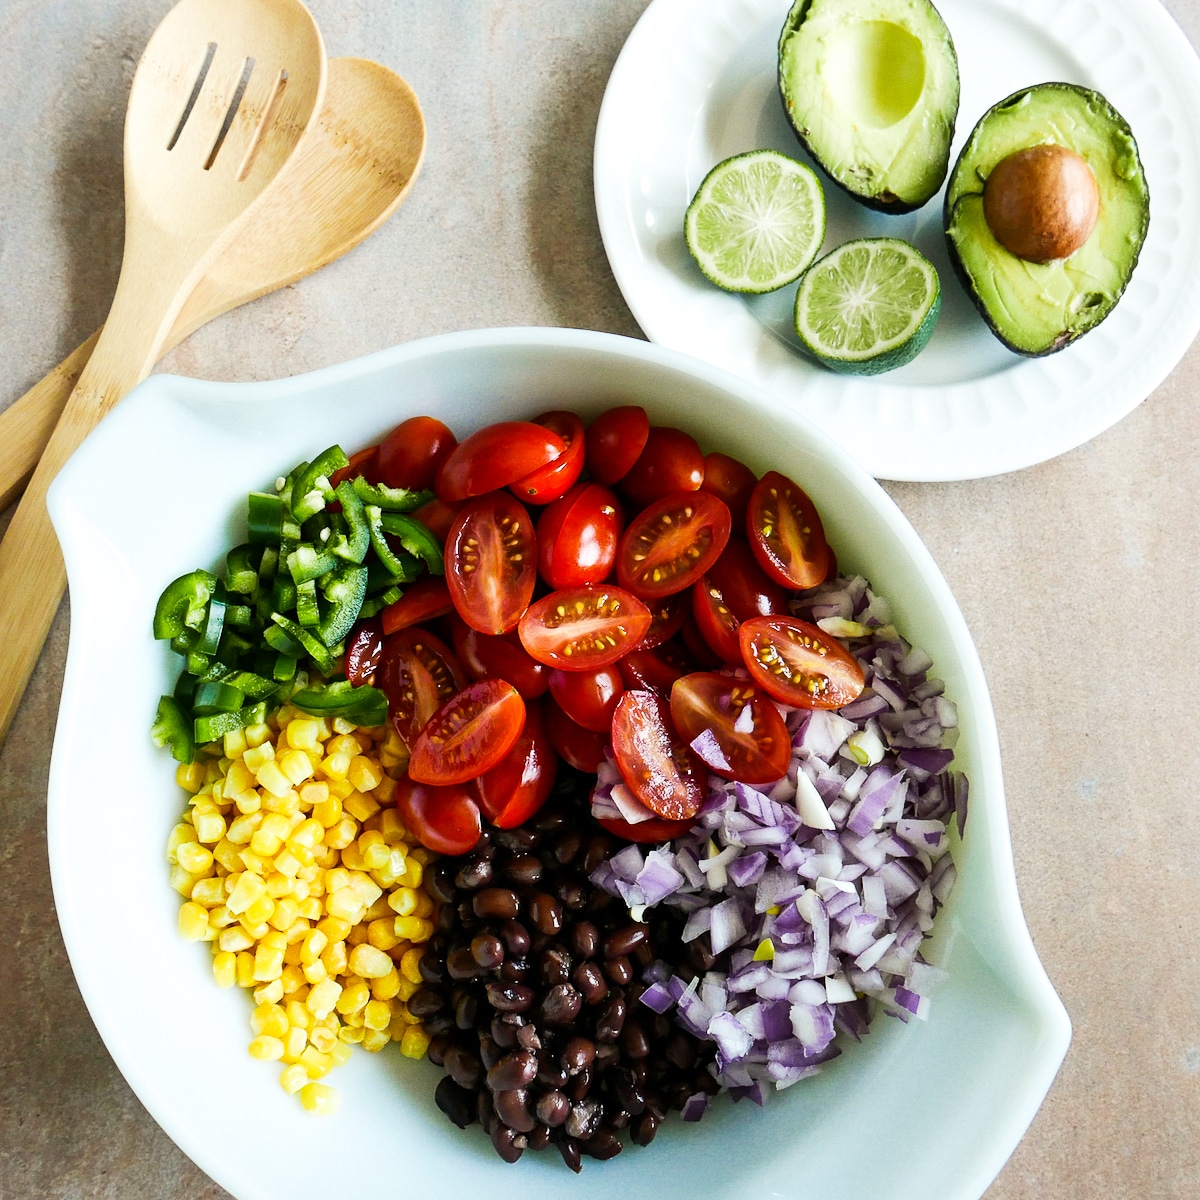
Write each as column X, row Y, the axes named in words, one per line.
column 1046, row 212
column 871, row 90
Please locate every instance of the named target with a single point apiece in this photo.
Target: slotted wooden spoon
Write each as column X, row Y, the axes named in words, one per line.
column 350, row 172
column 221, row 98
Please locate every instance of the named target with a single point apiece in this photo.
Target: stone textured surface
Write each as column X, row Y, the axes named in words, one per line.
column 1077, row 577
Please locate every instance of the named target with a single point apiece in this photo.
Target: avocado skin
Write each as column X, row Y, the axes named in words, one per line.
column 1063, row 93
column 880, row 201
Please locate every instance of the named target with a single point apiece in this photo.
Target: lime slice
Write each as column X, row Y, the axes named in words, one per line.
column 757, row 221
column 868, row 306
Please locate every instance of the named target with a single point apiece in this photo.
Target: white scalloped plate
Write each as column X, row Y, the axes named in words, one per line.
column 695, row 83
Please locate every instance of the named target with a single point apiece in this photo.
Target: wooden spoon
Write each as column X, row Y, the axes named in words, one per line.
column 222, row 96
column 349, row 174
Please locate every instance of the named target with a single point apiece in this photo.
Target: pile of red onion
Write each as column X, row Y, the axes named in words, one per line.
column 815, row 893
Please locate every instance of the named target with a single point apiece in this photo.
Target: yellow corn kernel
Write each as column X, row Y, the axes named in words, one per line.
column 266, row 1049
column 328, row 811
column 415, row 1042
column 245, row 969
column 190, row 776
column 366, row 961
column 317, row 1065
column 256, row 864
column 296, row 767
column 360, row 806
column 334, row 928
column 367, row 890
column 354, row 1019
column 334, row 958
column 258, row 756
column 271, row 777
column 410, row 964
column 407, row 987
column 293, row 1078
column 314, row 972
column 341, row 788
column 224, row 968
column 256, row 735
column 303, row 733
column 340, row 1051
column 377, row 1014
column 381, row 933
column 210, row 827
column 233, row 939
column 414, row 870
column 247, row 888
column 292, row 978
column 310, row 907
column 351, row 1035
column 403, row 901
column 233, row 745
column 209, row 891
column 227, row 854
column 319, row 1098
column 364, row 774
column 193, row 922
column 334, row 766
column 392, row 829
column 386, row 987
column 305, row 858
column 324, row 1039
column 261, row 911
column 323, row 997
column 374, row 1040
column 356, row 936
column 354, row 997
column 298, row 1014
column 414, row 929
column 291, row 956
column 268, row 963
column 182, row 881
column 352, row 858
column 313, row 943
column 345, row 904
column 269, row 993
column 248, row 802
column 241, row 829
column 270, row 1019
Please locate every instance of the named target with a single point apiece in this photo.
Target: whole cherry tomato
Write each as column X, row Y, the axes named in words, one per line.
column 494, row 457
column 798, row 663
column 500, row 657
column 422, row 601
column 443, row 819
column 733, row 726
column 417, row 672
column 671, row 543
column 648, row 671
column 669, row 462
column 589, row 698
column 364, row 648
column 744, row 586
column 438, row 517
column 580, row 629
column 558, row 476
column 412, row 454
column 491, row 562
column 576, row 746
column 732, row 481
column 615, row 439
column 577, row 536
column 469, row 734
column 520, row 783
column 362, row 462
column 715, row 623
column 656, row 766
column 785, row 532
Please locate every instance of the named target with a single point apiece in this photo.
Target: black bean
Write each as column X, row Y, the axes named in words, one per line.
column 567, row 848
column 549, row 819
column 464, row 1067
column 509, row 997
column 588, row 979
column 489, row 1052
column 438, row 1022
column 550, row 1073
column 578, row 1085
column 461, row 965
column 619, row 970
column 514, row 970
column 505, row 1141
column 515, row 1070
column 628, row 1095
column 584, row 939
column 437, row 1049
column 496, row 903
column 446, row 920
column 524, row 869
column 504, row 1031
column 619, row 1119
column 485, row 1112
column 585, row 1118
column 573, row 894
column 625, row 939
column 578, row 1054
column 516, row 938
column 554, row 965
column 603, row 1144
column 644, row 1129
column 474, row 873
column 595, row 852
column 425, row 1001
column 553, row 1108
column 466, row 1010
column 517, row 840
column 608, row 1054
column 611, row 1020
column 529, row 1038
column 546, row 913
column 569, row 1149
column 561, row 1005
column 457, row 1102
column 539, row 1138
column 487, row 950
column 513, row 1109
column 681, row 1051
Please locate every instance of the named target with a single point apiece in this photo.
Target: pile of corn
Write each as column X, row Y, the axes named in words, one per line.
column 295, row 866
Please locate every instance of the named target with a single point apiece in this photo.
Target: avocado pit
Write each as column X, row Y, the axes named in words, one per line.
column 1042, row 203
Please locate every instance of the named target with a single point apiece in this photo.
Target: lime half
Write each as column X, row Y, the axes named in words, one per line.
column 868, row 306
column 757, row 221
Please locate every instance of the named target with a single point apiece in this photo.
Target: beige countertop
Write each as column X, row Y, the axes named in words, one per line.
column 1055, row 567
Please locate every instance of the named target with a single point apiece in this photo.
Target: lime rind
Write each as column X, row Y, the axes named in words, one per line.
column 868, row 306
column 756, row 222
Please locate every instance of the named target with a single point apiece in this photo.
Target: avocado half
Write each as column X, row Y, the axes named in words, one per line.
column 1038, row 308
column 871, row 89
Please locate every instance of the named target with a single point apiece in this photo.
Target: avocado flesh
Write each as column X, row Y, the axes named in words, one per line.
column 871, row 89
column 1038, row 308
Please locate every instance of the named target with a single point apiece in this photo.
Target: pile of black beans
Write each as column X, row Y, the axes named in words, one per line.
column 531, row 992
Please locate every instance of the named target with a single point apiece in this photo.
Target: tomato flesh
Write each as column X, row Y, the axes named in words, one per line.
column 659, row 769
column 469, row 734
column 364, row 649
column 559, row 475
column 501, row 657
column 412, row 454
column 577, row 536
column 580, row 629
column 443, row 819
column 520, row 783
column 494, row 457
column 785, row 532
column 417, row 672
column 589, row 698
column 491, row 562
column 798, row 663
column 615, row 440
column 422, row 601
column 733, row 726
column 671, row 544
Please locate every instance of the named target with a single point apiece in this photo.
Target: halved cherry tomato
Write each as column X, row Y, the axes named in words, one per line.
column 417, row 672
column 732, row 481
column 494, row 457
column 412, row 454
column 657, row 767
column 576, row 746
column 364, row 648
column 700, row 655
column 785, row 532
column 501, row 657
column 798, row 663
column 670, row 462
column 362, row 462
column 666, row 616
column 469, row 734
column 580, row 629
column 577, row 536
column 717, row 626
column 615, row 439
column 443, row 819
column 589, row 698
column 671, row 544
column 519, row 784
column 749, row 741
column 438, row 517
column 558, row 476
column 744, row 585
column 422, row 601
column 648, row 671
column 491, row 562
column 656, row 829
